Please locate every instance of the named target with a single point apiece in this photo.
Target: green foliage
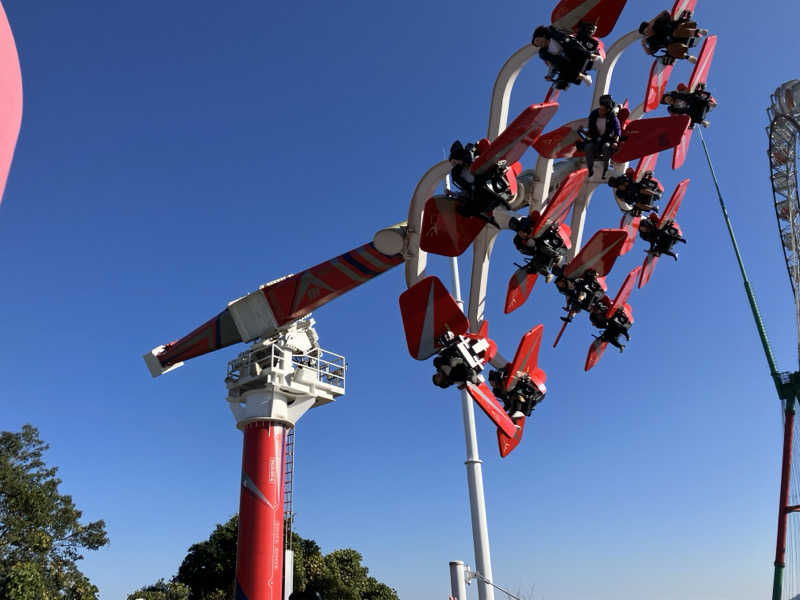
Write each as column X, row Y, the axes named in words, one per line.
column 41, row 536
column 162, row 590
column 210, row 566
column 209, row 569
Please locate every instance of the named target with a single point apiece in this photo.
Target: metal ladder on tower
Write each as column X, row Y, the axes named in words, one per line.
column 288, row 485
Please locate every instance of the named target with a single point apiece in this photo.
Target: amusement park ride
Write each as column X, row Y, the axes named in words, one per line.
column 285, row 372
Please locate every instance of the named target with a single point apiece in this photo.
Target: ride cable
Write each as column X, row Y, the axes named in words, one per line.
column 786, row 384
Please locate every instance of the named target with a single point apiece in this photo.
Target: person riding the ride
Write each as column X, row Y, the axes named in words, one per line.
column 661, row 240
column 520, row 400
column 696, row 104
column 671, row 37
column 636, row 196
column 602, row 138
column 480, row 194
column 614, row 327
column 546, row 250
column 568, row 55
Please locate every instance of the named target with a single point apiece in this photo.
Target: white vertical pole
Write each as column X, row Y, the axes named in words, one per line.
column 477, row 504
column 458, row 580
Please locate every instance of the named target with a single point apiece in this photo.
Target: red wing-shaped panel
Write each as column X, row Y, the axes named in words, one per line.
column 604, row 13
column 646, row 136
column 527, row 358
column 631, row 226
column 674, row 203
column 703, row 64
column 681, row 150
column 656, row 85
column 595, row 353
column 647, row 163
column 624, row 114
column 428, row 310
column 10, row 99
column 599, row 254
column 682, row 6
column 506, row 443
column 562, row 200
column 647, row 269
column 444, row 230
column 517, row 137
column 520, row 287
column 489, row 404
column 560, row 143
column 624, row 292
column 511, row 175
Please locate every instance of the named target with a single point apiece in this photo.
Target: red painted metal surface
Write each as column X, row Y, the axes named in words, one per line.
column 526, row 360
column 630, row 224
column 646, row 136
column 647, row 269
column 674, row 203
column 519, row 288
column 491, row 407
column 656, row 85
column 682, row 6
column 290, row 299
column 786, row 468
column 298, row 295
column 507, row 443
column 428, row 310
column 681, row 150
column 259, row 550
column 624, row 292
column 560, row 143
column 10, row 98
column 647, row 163
column 595, row 353
column 445, row 231
column 703, row 64
column 562, row 201
column 517, row 137
column 599, row 254
column 604, row 13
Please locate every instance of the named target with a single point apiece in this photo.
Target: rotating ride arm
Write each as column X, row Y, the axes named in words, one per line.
column 279, row 303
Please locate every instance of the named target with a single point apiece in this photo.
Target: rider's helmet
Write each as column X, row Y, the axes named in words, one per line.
column 630, row 172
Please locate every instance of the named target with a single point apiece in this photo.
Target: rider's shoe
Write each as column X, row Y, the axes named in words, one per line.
column 586, row 79
column 691, row 59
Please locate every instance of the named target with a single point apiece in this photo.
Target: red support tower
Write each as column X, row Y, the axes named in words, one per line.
column 270, row 387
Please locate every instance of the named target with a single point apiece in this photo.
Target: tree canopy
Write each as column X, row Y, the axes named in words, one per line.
column 41, row 536
column 209, row 569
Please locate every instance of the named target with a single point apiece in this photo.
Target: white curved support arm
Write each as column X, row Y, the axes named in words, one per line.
column 417, row 259
column 606, row 70
column 501, row 93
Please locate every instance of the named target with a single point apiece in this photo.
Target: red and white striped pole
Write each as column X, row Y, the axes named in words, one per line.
column 259, row 551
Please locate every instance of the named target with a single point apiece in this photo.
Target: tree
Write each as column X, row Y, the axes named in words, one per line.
column 41, row 536
column 210, row 566
column 162, row 590
column 209, row 570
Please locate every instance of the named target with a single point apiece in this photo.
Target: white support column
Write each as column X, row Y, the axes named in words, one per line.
column 579, row 211
column 458, row 580
column 477, row 503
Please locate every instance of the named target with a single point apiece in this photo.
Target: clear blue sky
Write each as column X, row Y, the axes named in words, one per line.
column 175, row 155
